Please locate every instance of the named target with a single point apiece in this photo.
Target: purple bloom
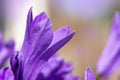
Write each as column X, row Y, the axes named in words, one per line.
column 89, row 75
column 40, row 44
column 6, row 50
column 109, row 61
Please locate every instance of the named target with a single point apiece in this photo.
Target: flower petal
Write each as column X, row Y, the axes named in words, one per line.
column 6, row 50
column 109, row 61
column 55, row 47
column 60, row 34
column 89, row 75
column 16, row 65
column 6, row 74
column 28, row 27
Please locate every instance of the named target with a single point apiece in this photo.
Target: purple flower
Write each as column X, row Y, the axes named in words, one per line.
column 6, row 50
column 89, row 75
column 40, row 44
column 109, row 61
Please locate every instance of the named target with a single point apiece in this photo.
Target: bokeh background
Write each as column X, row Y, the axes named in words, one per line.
column 90, row 18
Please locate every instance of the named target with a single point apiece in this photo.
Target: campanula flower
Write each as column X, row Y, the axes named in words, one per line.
column 39, row 46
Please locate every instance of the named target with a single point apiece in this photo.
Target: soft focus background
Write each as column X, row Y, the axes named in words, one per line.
column 90, row 18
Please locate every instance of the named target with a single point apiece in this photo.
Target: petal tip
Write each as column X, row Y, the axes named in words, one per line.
column 116, row 21
column 43, row 15
column 89, row 75
column 30, row 11
column 74, row 32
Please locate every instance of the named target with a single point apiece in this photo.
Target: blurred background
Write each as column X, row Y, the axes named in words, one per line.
column 90, row 18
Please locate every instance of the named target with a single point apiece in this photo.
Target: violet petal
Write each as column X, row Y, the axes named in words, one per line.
column 109, row 61
column 60, row 34
column 27, row 32
column 6, row 74
column 89, row 75
column 16, row 65
column 54, row 48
